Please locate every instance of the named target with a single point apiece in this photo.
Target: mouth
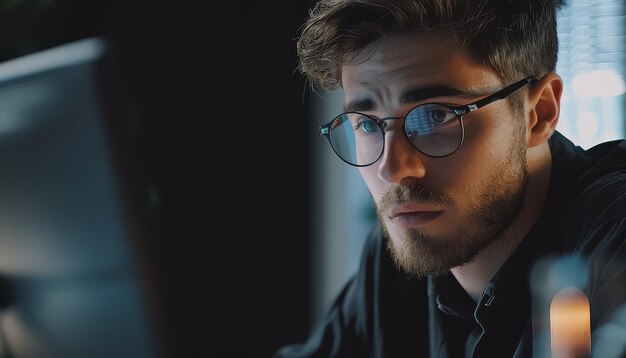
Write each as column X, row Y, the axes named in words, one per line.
column 413, row 215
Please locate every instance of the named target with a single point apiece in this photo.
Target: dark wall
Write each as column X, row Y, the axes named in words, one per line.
column 269, row 221
column 223, row 143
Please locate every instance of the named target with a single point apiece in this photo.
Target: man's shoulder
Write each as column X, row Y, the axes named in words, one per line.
column 602, row 187
column 589, row 179
column 598, row 211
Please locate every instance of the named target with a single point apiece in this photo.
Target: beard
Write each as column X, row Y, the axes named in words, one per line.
column 499, row 199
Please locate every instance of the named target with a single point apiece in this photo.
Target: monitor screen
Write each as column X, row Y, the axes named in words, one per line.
column 70, row 280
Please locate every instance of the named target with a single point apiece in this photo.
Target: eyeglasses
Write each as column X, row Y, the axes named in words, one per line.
column 434, row 129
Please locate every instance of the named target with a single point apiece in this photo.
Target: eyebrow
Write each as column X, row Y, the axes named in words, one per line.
column 411, row 96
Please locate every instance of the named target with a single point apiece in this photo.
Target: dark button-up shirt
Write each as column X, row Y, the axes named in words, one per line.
column 381, row 312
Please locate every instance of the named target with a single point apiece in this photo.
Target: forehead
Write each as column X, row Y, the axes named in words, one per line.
column 414, row 60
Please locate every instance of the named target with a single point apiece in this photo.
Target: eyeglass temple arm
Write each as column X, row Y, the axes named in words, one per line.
column 507, row 91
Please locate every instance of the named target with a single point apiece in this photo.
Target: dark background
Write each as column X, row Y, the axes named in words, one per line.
column 221, row 137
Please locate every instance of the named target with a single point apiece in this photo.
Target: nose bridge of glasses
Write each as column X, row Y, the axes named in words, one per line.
column 384, row 122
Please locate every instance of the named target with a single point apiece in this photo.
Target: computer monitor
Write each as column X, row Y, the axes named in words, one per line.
column 72, row 270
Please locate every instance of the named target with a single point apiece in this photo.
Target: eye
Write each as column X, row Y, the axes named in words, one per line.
column 368, row 125
column 440, row 115
column 365, row 125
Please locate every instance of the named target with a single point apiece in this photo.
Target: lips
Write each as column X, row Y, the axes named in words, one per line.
column 414, row 214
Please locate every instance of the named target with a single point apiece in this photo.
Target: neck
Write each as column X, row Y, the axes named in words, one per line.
column 475, row 276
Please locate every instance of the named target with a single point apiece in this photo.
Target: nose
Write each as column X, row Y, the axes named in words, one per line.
column 400, row 159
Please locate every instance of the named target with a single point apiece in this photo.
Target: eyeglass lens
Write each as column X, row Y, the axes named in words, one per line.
column 433, row 129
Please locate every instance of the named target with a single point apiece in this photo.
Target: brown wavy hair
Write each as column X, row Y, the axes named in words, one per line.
column 513, row 37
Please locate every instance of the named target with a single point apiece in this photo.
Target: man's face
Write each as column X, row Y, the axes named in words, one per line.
column 439, row 212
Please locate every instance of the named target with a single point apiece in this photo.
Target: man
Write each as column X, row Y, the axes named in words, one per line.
column 450, row 116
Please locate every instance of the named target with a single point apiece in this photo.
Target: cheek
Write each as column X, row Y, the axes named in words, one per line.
column 480, row 131
column 492, row 144
column 488, row 137
column 484, row 148
column 462, row 173
column 497, row 126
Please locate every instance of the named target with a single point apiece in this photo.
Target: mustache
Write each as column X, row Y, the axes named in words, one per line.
column 412, row 190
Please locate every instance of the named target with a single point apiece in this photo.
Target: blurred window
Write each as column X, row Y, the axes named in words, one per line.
column 591, row 64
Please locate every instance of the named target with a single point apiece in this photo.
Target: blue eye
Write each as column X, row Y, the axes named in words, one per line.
column 362, row 123
column 368, row 126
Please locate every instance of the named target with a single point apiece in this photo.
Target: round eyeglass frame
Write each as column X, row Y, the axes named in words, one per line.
column 459, row 111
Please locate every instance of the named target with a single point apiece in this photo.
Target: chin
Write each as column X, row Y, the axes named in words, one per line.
column 420, row 253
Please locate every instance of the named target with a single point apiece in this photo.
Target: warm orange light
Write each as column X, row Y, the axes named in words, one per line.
column 570, row 327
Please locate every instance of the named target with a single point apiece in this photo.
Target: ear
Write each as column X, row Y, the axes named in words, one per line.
column 544, row 104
